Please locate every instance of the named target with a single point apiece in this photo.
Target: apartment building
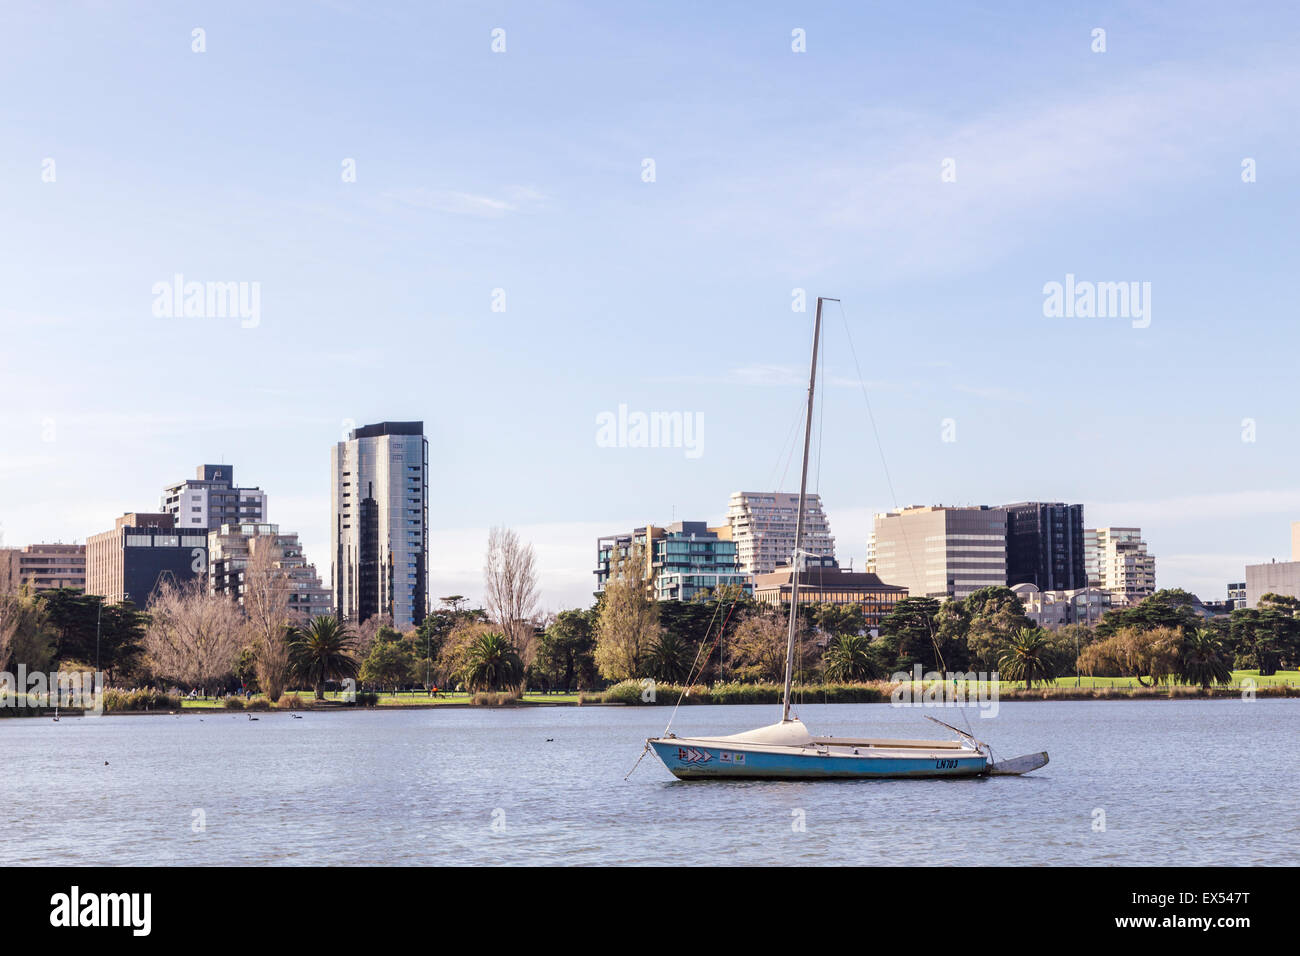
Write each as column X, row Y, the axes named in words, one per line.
column 43, row 567
column 232, row 546
column 1053, row 609
column 1117, row 559
column 681, row 560
column 379, row 523
column 763, row 526
column 941, row 552
column 142, row 550
column 211, row 499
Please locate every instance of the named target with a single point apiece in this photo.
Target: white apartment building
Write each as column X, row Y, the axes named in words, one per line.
column 1116, row 559
column 763, row 526
column 379, row 523
column 210, row 499
column 940, row 552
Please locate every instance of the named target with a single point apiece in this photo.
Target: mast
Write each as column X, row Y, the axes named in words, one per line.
column 798, row 525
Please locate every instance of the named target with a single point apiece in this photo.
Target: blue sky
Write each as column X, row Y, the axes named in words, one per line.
column 774, row 170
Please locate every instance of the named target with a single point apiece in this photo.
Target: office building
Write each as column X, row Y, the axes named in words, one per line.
column 763, row 527
column 211, row 499
column 143, row 550
column 232, row 546
column 43, row 567
column 1117, row 559
column 1276, row 577
column 1045, row 545
column 823, row 581
column 1236, row 595
column 379, row 523
column 940, row 552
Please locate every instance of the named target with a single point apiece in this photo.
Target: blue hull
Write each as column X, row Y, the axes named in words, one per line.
column 689, row 761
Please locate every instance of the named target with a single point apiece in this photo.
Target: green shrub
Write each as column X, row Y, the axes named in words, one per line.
column 133, row 701
column 233, row 703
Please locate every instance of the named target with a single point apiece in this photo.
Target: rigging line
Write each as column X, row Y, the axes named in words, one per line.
column 690, row 677
column 790, row 443
column 889, row 481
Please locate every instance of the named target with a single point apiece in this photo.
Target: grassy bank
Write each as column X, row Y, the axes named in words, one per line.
column 1282, row 684
column 635, row 693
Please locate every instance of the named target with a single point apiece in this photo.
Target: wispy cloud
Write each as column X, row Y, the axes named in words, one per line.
column 513, row 199
column 1020, row 167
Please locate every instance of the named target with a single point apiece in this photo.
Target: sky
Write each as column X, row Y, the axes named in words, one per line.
column 615, row 207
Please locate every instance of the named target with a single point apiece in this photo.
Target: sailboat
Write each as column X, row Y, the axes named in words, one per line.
column 788, row 751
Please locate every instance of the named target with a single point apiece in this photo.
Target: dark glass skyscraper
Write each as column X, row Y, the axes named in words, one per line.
column 1045, row 545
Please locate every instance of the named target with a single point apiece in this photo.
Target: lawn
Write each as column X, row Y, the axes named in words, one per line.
column 402, row 699
column 1281, row 678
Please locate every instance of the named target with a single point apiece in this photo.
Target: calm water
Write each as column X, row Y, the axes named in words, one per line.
column 1197, row 782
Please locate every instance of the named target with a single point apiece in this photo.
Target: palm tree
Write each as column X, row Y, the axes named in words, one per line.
column 1024, row 658
column 669, row 659
column 322, row 651
column 849, row 659
column 1203, row 660
column 492, row 663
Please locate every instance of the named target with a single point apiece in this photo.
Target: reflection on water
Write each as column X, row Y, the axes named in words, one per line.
column 1179, row 782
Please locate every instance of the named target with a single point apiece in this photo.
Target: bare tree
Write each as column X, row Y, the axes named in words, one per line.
column 267, row 586
column 368, row 631
column 510, row 588
column 193, row 637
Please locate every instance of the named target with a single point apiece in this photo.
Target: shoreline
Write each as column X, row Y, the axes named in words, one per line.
column 1068, row 695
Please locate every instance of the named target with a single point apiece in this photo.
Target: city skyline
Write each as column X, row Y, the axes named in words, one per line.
column 498, row 253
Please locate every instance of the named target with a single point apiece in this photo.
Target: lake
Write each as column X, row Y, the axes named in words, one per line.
column 1179, row 782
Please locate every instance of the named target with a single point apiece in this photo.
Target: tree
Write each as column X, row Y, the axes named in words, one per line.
column 849, row 659
column 759, row 645
column 669, row 659
column 908, row 634
column 451, row 661
column 366, row 634
column 193, row 637
column 492, row 663
column 565, row 652
column 996, row 615
column 510, row 588
column 1130, row 652
column 26, row 636
column 1026, row 658
column 1267, row 636
column 1169, row 608
column 1203, row 660
column 390, row 661
column 266, row 588
column 321, row 651
column 92, row 632
column 627, row 622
